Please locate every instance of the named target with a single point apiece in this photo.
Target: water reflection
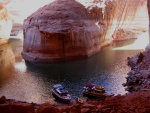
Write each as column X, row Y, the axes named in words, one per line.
column 107, row 68
column 32, row 83
column 15, row 81
column 7, row 61
column 26, row 87
column 123, row 43
column 137, row 44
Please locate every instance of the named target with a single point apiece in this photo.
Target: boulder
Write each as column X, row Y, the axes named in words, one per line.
column 59, row 31
column 136, row 59
column 2, row 100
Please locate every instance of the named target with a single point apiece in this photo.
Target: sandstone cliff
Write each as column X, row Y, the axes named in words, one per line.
column 66, row 30
column 5, row 24
column 139, row 76
column 117, row 14
column 61, row 30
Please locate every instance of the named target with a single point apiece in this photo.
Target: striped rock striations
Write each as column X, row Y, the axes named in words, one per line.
column 60, row 31
column 5, row 24
column 67, row 29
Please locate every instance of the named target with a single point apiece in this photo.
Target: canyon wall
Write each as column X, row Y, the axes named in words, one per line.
column 128, row 15
column 139, row 76
column 66, row 30
column 5, row 24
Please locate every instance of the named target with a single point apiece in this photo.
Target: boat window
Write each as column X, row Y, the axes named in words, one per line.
column 64, row 94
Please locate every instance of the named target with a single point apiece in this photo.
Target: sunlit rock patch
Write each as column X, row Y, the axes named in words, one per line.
column 5, row 24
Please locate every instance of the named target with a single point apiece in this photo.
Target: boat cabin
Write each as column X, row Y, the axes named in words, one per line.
column 93, row 88
column 60, row 90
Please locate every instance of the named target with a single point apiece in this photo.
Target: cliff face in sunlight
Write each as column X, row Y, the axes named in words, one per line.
column 5, row 24
column 61, row 30
column 127, row 15
column 66, row 30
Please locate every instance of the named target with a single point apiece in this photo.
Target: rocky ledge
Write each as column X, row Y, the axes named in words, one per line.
column 138, row 102
column 139, row 76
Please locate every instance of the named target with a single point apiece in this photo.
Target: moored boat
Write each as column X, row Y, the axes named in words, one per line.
column 60, row 93
column 91, row 90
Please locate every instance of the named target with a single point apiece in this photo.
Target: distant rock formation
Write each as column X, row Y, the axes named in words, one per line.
column 5, row 24
column 60, row 31
column 117, row 14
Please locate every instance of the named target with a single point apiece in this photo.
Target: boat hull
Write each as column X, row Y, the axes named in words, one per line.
column 91, row 95
column 57, row 97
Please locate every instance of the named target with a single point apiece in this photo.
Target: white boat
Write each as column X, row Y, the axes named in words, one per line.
column 91, row 90
column 60, row 93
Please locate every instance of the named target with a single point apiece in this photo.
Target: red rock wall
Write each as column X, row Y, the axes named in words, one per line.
column 5, row 24
column 60, row 32
column 126, row 14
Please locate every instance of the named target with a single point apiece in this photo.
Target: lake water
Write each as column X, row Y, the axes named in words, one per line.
column 31, row 83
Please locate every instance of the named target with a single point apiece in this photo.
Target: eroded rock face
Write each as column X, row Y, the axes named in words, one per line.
column 66, row 30
column 59, row 31
column 139, row 76
column 5, row 24
column 125, row 15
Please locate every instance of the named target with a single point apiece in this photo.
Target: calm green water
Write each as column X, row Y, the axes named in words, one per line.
column 27, row 82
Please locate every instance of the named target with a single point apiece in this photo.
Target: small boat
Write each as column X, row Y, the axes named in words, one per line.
column 60, row 93
column 79, row 101
column 91, row 90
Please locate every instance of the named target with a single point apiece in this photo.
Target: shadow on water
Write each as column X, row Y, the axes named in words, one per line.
column 7, row 61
